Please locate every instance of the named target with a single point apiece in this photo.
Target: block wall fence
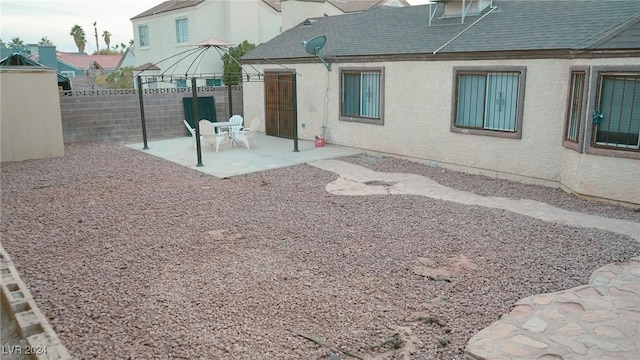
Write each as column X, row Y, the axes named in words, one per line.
column 114, row 115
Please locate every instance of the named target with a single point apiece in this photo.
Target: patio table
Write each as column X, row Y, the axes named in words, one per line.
column 225, row 124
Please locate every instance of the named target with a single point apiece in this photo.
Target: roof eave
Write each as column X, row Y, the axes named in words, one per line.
column 449, row 56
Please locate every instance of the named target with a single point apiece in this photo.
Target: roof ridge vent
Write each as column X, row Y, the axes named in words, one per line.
column 309, row 22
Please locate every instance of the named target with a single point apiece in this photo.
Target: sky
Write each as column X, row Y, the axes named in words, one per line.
column 30, row 20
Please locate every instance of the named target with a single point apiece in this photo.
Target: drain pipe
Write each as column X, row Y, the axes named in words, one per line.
column 463, row 31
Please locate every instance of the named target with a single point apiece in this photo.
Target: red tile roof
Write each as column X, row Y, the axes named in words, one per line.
column 82, row 61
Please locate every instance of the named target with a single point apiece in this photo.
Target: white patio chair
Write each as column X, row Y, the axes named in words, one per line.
column 192, row 131
column 247, row 135
column 209, row 136
column 236, row 124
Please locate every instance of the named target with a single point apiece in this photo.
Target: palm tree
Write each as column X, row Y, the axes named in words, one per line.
column 95, row 30
column 15, row 43
column 78, row 37
column 107, row 37
column 45, row 41
column 2, row 44
column 123, row 47
column 131, row 42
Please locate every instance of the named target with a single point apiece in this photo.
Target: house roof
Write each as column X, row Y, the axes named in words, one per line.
column 21, row 60
column 510, row 26
column 349, row 6
column 168, row 6
column 16, row 59
column 127, row 52
column 274, row 4
column 345, row 6
column 83, row 61
column 146, row 66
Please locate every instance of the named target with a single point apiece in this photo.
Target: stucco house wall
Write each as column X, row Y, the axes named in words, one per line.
column 295, row 12
column 229, row 21
column 28, row 131
column 417, row 120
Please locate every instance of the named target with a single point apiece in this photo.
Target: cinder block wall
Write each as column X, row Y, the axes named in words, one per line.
column 114, row 115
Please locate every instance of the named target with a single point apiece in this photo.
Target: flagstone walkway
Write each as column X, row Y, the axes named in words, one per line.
column 600, row 320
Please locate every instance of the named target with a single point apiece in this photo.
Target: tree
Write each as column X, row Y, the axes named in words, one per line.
column 131, row 42
column 15, row 43
column 107, row 37
column 95, row 30
column 119, row 79
column 232, row 69
column 123, row 47
column 45, row 41
column 79, row 37
column 2, row 44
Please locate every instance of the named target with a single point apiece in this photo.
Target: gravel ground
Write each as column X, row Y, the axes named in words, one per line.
column 131, row 256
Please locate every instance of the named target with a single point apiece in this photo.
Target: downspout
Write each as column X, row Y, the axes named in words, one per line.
column 463, row 31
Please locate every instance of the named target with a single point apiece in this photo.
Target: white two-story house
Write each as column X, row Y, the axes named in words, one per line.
column 167, row 35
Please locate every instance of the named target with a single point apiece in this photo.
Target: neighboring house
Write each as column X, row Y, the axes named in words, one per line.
column 127, row 59
column 21, row 60
column 81, row 68
column 296, row 11
column 165, row 34
column 22, row 50
column 75, row 64
column 510, row 92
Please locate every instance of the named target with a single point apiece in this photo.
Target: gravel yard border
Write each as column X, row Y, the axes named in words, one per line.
column 131, row 256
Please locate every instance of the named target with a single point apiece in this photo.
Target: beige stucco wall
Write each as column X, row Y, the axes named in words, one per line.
column 31, row 124
column 605, row 177
column 417, row 118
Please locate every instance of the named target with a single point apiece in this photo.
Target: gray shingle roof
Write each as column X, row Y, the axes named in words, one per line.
column 168, row 6
column 512, row 25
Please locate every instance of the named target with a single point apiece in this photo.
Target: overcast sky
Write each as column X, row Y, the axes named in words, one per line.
column 30, row 20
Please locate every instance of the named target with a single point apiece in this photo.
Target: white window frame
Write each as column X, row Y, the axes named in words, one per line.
column 140, row 37
column 182, row 32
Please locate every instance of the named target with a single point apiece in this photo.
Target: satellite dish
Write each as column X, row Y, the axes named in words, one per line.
column 314, row 47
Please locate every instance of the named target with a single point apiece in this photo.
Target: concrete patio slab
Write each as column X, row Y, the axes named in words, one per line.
column 268, row 153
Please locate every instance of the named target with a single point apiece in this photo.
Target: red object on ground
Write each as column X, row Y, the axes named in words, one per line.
column 320, row 141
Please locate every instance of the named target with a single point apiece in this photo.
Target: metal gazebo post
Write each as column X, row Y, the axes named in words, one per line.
column 144, row 126
column 196, row 116
column 230, row 95
column 294, row 104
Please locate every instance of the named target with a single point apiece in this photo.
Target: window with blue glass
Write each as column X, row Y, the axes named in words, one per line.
column 143, row 35
column 617, row 117
column 575, row 103
column 361, row 95
column 182, row 30
column 488, row 102
column 213, row 82
column 181, row 83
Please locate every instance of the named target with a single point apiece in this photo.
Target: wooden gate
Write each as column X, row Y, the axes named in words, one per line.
column 279, row 103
